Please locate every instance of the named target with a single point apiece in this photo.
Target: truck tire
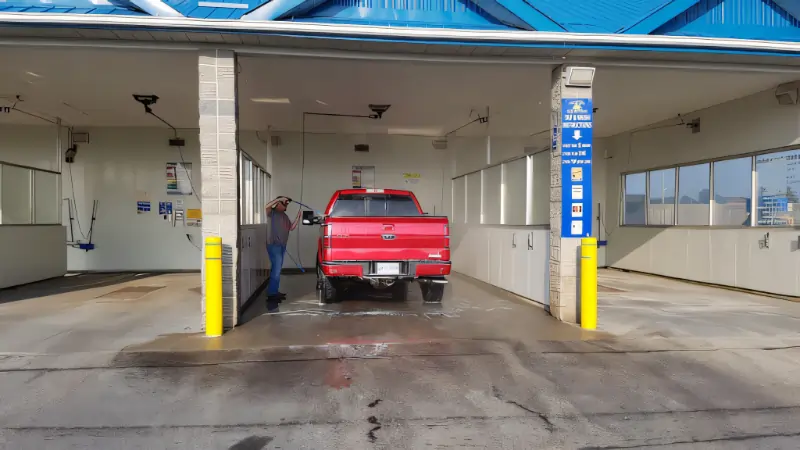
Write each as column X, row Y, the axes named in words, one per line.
column 400, row 291
column 326, row 291
column 432, row 292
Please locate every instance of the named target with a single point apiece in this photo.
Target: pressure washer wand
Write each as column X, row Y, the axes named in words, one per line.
column 306, row 206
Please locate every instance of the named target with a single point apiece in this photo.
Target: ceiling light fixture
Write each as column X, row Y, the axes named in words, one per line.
column 282, row 101
column 413, row 131
column 33, row 74
column 579, row 76
column 321, row 102
column 788, row 93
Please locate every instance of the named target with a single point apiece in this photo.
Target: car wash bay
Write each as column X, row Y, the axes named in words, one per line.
column 89, row 358
column 471, row 140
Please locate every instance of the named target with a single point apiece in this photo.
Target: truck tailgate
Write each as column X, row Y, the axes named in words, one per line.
column 388, row 239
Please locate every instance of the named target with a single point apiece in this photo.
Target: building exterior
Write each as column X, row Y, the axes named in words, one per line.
column 650, row 124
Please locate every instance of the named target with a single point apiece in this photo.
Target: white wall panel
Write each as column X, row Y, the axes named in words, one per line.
column 730, row 256
column 507, row 147
column 515, row 174
column 538, row 270
column 487, row 253
column 119, row 167
column 329, row 160
column 254, row 259
column 470, row 154
column 29, row 145
column 31, row 253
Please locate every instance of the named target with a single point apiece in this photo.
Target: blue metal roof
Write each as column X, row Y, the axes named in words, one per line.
column 598, row 16
column 214, row 9
column 776, row 20
column 111, row 7
column 469, row 14
column 411, row 13
column 745, row 19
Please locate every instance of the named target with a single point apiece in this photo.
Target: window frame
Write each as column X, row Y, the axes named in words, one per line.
column 32, row 171
column 711, row 162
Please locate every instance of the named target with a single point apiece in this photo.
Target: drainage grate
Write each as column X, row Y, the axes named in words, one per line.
column 602, row 288
column 131, row 292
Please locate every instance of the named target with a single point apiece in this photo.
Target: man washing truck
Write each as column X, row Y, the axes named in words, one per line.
column 382, row 238
column 278, row 228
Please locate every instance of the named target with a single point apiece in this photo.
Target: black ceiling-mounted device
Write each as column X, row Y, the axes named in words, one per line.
column 69, row 155
column 151, row 99
column 361, row 147
column 146, row 101
column 378, row 110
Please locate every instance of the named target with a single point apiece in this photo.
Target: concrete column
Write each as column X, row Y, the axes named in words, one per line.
column 219, row 167
column 565, row 239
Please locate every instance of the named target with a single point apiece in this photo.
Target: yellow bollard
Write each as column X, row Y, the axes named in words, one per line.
column 213, row 286
column 589, row 283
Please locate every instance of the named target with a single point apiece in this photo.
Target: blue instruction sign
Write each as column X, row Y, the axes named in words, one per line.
column 164, row 208
column 142, row 207
column 576, row 167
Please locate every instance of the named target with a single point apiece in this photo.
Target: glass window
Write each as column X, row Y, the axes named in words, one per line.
column 694, row 193
column 372, row 205
column 15, row 195
column 778, row 188
column 248, row 192
column 732, row 191
column 661, row 207
column 492, row 179
column 267, row 191
column 256, row 194
column 45, row 197
column 474, row 181
column 241, row 190
column 514, row 192
column 634, row 202
column 539, row 196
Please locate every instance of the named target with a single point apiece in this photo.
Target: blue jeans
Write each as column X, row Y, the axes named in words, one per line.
column 276, row 253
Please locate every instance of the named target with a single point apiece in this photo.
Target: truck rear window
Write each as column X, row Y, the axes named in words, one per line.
column 374, row 205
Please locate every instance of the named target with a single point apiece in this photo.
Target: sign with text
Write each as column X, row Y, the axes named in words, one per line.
column 576, row 167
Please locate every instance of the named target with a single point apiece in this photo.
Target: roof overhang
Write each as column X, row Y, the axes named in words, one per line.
column 271, row 36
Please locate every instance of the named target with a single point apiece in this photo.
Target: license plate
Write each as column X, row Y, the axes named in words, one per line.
column 388, row 269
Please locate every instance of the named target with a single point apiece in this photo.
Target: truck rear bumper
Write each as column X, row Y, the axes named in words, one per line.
column 368, row 269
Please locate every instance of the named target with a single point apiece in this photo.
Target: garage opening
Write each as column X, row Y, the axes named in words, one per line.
column 471, row 141
column 98, row 197
column 490, row 177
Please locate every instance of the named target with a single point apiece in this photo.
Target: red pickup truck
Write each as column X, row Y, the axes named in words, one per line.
column 380, row 237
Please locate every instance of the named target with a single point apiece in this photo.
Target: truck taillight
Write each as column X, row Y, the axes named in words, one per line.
column 326, row 236
column 447, row 236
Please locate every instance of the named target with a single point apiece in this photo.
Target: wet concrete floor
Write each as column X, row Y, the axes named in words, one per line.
column 483, row 370
column 470, row 312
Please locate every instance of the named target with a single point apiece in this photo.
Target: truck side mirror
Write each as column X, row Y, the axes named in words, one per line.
column 310, row 219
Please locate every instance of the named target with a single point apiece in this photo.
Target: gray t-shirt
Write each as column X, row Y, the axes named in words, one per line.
column 278, row 227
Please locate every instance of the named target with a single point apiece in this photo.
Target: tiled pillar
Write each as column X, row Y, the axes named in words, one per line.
column 218, row 167
column 570, row 197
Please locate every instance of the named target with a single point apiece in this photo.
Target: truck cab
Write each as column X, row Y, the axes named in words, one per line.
column 383, row 238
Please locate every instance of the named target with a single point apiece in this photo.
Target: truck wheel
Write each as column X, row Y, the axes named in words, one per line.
column 400, row 291
column 432, row 292
column 326, row 291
